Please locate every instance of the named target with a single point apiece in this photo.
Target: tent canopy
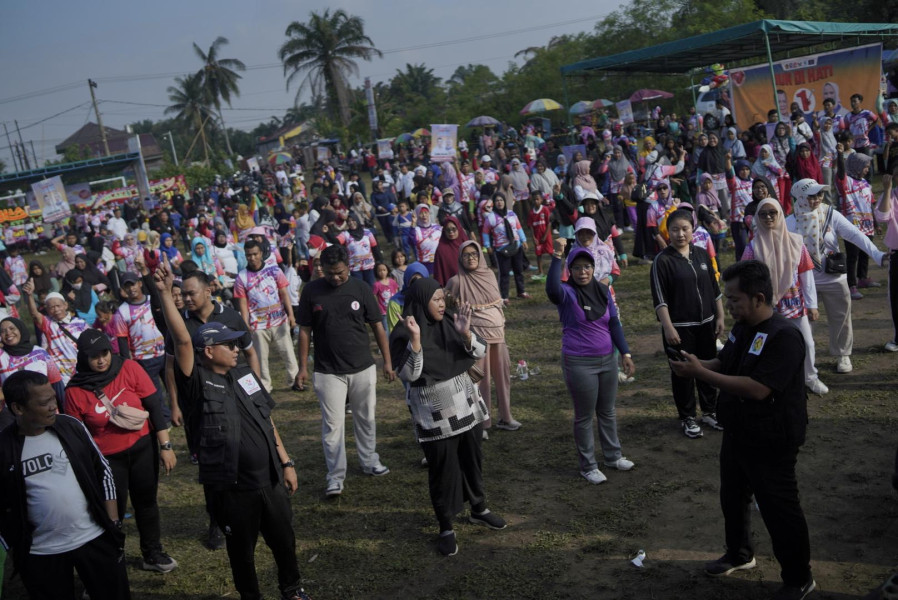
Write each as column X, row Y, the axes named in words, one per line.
column 730, row 45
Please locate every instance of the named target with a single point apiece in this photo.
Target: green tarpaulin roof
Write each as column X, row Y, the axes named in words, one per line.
column 729, row 45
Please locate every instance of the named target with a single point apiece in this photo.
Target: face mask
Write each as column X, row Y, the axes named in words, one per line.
column 77, row 286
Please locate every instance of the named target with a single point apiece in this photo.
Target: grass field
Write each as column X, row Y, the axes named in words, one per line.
column 566, row 538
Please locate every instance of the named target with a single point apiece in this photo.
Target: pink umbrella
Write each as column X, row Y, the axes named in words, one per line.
column 643, row 95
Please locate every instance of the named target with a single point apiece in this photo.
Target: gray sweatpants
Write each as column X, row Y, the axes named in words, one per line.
column 334, row 393
column 592, row 383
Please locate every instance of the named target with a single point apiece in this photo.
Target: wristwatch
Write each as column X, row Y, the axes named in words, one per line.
column 165, row 445
column 627, row 355
column 289, row 463
column 117, row 524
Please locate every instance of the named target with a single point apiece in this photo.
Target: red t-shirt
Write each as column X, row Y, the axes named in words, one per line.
column 129, row 386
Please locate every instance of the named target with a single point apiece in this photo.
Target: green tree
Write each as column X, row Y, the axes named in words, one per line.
column 191, row 106
column 325, row 50
column 219, row 79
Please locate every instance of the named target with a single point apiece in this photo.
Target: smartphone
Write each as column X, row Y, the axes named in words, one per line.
column 674, row 354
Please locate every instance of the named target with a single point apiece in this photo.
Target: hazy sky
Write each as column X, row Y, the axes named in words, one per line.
column 134, row 50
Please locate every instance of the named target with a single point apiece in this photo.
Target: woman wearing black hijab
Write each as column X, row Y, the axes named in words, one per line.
column 103, row 378
column 93, row 277
column 80, row 295
column 43, row 283
column 19, row 353
column 713, row 161
column 432, row 351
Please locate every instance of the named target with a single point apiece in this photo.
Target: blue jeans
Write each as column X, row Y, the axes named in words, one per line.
column 366, row 275
column 153, row 367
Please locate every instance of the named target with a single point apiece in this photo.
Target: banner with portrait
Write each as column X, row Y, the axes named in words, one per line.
column 624, row 111
column 384, row 150
column 807, row 81
column 443, row 141
column 51, row 197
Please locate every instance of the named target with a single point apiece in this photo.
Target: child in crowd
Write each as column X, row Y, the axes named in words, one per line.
column 384, row 289
column 538, row 219
column 399, row 261
column 15, row 265
column 103, row 322
column 404, row 222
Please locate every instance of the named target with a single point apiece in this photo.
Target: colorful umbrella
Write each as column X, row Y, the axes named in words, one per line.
column 279, row 158
column 602, row 103
column 482, row 121
column 644, row 95
column 541, row 105
column 581, row 108
column 404, row 137
column 421, row 133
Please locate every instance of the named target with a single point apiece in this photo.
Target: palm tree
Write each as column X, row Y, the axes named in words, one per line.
column 219, row 78
column 415, row 80
column 191, row 104
column 323, row 49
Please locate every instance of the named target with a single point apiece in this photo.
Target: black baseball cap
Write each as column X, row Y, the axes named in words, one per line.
column 212, row 334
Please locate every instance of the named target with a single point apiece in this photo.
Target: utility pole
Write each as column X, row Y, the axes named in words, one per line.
column 11, row 149
column 171, row 141
column 92, row 84
column 25, row 160
column 36, row 164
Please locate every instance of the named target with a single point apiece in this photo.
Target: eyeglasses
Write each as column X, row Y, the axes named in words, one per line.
column 579, row 268
column 468, row 255
column 768, row 214
column 232, row 345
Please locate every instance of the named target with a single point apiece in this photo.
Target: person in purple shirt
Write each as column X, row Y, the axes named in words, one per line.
column 591, row 331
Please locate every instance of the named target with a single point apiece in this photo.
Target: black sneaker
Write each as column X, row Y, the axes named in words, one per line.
column 160, row 562
column 299, row 594
column 488, row 519
column 710, row 419
column 793, row 592
column 691, row 428
column 447, row 545
column 724, row 566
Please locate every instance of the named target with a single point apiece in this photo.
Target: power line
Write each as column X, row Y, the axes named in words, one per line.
column 54, row 116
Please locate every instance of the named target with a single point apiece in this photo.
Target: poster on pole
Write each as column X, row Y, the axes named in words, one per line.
column 443, row 140
column 808, row 81
column 384, row 150
column 372, row 107
column 252, row 163
column 50, row 195
column 323, row 153
column 624, row 111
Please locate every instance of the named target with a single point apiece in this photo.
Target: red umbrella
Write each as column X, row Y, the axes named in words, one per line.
column 644, row 95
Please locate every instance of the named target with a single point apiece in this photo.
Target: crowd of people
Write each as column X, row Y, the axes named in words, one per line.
column 163, row 313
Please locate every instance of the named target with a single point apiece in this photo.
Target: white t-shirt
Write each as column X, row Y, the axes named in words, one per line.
column 57, row 507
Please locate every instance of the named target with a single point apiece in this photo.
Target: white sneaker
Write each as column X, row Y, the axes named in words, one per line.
column 621, row 464
column 334, row 488
column 594, row 477
column 891, row 346
column 815, row 386
column 843, row 365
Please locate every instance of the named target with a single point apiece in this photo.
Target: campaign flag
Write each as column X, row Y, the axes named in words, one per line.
column 443, row 141
column 50, row 195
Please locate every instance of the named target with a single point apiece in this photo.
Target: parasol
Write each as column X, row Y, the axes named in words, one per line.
column 602, row 103
column 581, row 108
column 482, row 121
column 421, row 133
column 644, row 95
column 404, row 137
column 279, row 158
column 541, row 105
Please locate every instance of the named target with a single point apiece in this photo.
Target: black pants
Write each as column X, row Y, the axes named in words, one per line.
column 455, row 475
column 698, row 340
column 643, row 244
column 740, row 238
column 516, row 265
column 857, row 262
column 893, row 291
column 100, row 564
column 770, row 476
column 136, row 472
column 154, row 368
column 242, row 516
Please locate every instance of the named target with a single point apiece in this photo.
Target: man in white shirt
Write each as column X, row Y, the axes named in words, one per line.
column 405, row 183
column 117, row 224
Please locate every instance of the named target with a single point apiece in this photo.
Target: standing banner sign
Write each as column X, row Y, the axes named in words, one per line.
column 372, row 107
column 624, row 111
column 443, row 139
column 807, row 80
column 252, row 164
column 50, row 195
column 384, row 150
column 324, row 153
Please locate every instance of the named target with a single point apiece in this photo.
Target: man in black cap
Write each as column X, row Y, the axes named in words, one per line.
column 243, row 465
